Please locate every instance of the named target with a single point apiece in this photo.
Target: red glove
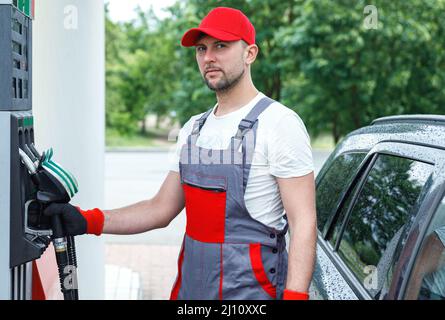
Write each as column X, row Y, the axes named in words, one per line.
column 76, row 221
column 95, row 220
column 294, row 295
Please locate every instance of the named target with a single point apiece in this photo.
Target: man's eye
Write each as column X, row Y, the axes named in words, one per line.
column 200, row 49
column 220, row 45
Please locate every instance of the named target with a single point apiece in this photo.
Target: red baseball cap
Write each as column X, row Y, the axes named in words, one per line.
column 226, row 24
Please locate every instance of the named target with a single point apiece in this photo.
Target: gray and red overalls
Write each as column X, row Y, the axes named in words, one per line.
column 226, row 254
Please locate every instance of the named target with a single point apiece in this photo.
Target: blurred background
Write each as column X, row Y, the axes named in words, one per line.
column 338, row 64
column 316, row 57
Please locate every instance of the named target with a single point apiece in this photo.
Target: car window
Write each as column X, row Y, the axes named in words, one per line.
column 334, row 183
column 336, row 225
column 427, row 280
column 377, row 218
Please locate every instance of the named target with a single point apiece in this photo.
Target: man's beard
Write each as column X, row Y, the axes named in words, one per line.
column 225, row 84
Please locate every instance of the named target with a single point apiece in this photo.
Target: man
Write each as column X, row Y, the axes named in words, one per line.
column 239, row 166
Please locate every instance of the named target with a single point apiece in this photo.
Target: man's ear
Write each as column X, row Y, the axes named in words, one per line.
column 250, row 53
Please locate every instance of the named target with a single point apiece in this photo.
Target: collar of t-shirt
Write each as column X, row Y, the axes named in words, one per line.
column 218, row 130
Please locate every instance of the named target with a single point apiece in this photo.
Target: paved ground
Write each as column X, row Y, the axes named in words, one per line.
column 153, row 266
column 144, row 266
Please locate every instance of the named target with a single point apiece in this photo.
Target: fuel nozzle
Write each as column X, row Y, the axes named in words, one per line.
column 27, row 161
column 54, row 185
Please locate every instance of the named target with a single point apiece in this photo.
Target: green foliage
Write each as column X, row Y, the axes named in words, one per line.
column 315, row 56
column 116, row 115
column 140, row 72
column 346, row 75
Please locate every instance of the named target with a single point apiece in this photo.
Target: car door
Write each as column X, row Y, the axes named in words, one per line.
column 327, row 282
column 359, row 240
column 427, row 277
column 420, row 271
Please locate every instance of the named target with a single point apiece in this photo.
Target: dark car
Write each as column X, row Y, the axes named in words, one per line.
column 381, row 212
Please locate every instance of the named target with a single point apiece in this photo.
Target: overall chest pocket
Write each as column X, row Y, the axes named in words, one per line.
column 205, row 206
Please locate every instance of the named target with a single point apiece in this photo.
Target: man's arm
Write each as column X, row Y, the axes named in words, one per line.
column 150, row 214
column 298, row 197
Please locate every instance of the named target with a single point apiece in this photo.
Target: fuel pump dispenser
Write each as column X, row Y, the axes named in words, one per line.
column 29, row 181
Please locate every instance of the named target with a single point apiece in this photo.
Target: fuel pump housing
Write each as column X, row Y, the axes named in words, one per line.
column 18, row 248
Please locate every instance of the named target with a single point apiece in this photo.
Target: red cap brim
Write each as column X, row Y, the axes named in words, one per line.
column 191, row 36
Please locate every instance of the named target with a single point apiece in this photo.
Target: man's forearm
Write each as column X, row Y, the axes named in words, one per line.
column 302, row 253
column 136, row 218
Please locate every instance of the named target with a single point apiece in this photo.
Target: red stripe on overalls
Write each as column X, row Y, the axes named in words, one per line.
column 221, row 275
column 177, row 286
column 258, row 269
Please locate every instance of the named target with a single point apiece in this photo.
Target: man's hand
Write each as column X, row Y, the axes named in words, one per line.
column 73, row 221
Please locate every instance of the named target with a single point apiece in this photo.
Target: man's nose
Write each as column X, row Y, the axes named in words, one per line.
column 209, row 56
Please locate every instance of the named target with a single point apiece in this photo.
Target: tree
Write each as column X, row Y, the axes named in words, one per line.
column 344, row 75
column 315, row 56
column 116, row 116
column 140, row 72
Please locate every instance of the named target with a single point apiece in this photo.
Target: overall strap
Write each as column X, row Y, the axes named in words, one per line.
column 197, row 126
column 249, row 125
column 251, row 119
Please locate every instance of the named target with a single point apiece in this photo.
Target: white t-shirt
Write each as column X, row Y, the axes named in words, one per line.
column 282, row 150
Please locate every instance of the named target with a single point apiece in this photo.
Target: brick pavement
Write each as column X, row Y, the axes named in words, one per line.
column 155, row 264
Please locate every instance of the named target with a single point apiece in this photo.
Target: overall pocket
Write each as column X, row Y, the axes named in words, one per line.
column 244, row 274
column 256, row 261
column 205, row 205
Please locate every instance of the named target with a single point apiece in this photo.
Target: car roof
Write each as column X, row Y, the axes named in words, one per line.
column 427, row 130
